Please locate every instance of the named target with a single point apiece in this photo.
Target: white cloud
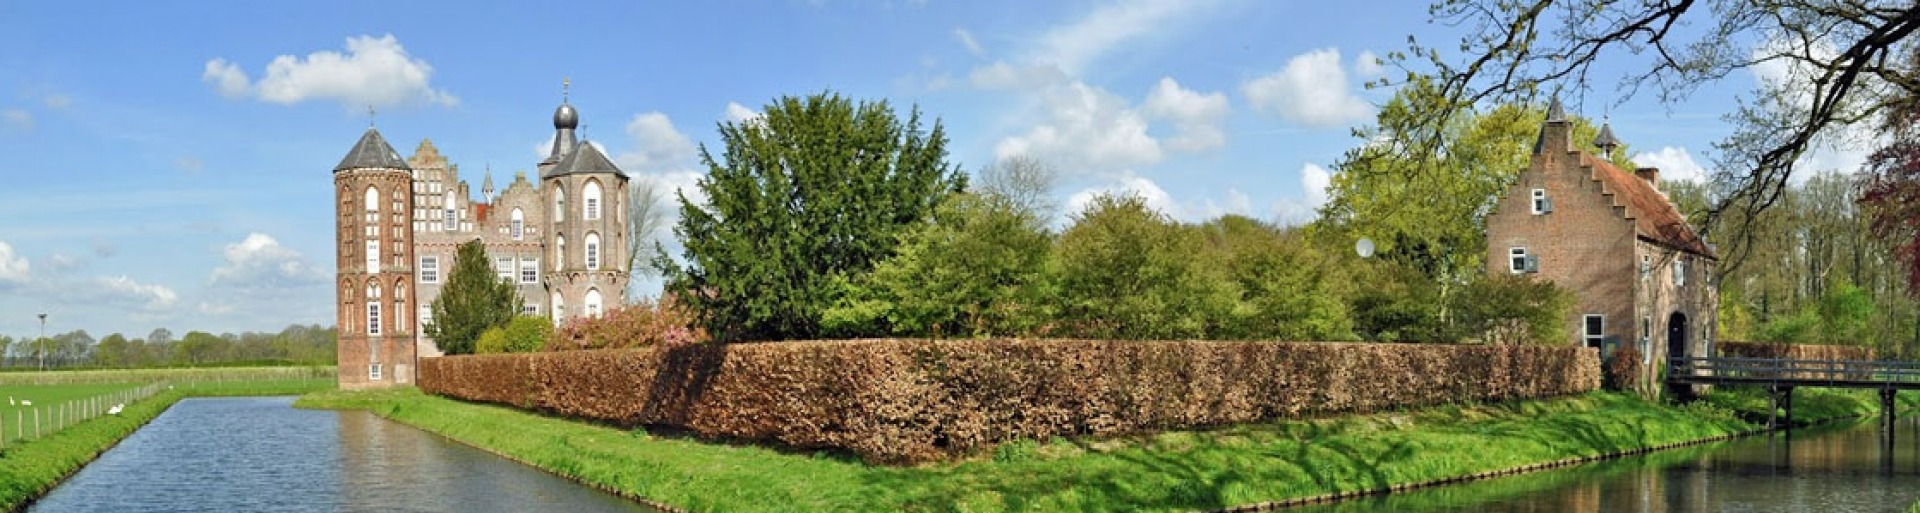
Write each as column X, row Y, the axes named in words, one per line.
column 260, row 262
column 1156, row 197
column 63, row 262
column 226, row 78
column 19, row 120
column 1087, row 129
column 966, row 40
column 1367, row 65
column 1314, row 180
column 13, row 269
column 1072, row 47
column 124, row 290
column 740, row 114
column 1197, row 117
column 1311, row 90
column 659, row 146
column 373, row 72
column 1674, row 164
column 1003, row 76
column 57, row 101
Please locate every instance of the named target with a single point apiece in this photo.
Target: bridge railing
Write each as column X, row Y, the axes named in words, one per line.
column 1836, row 372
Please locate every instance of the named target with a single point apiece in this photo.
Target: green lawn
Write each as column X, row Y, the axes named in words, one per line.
column 1176, row 471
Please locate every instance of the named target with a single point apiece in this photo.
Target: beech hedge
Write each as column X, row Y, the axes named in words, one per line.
column 1794, row 351
column 907, row 401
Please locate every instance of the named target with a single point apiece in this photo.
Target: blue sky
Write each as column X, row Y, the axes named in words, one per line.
column 171, row 166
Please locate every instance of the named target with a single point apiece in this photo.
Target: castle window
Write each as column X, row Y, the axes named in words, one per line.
column 373, row 200
column 426, row 315
column 1519, row 261
column 429, row 269
column 559, row 204
column 1679, row 272
column 504, row 267
column 373, row 255
column 373, row 372
column 559, row 307
column 1594, row 326
column 518, row 224
column 530, row 270
column 530, row 309
column 593, row 251
column 593, row 303
column 1541, row 204
column 592, row 203
column 559, row 251
column 373, row 318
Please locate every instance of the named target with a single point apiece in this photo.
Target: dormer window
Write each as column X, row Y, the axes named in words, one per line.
column 1519, row 261
column 1541, row 204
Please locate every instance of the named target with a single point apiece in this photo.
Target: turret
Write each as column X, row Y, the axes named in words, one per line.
column 374, row 236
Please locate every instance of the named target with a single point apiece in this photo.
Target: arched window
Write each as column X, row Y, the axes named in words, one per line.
column 373, row 200
column 518, row 222
column 373, row 308
column 372, row 223
column 592, row 200
column 559, row 203
column 559, row 251
column 593, row 303
column 559, row 307
column 593, row 251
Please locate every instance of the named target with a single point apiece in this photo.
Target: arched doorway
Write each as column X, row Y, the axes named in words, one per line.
column 1677, row 335
column 1677, row 348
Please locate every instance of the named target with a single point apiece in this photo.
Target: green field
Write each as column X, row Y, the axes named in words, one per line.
column 1175, row 471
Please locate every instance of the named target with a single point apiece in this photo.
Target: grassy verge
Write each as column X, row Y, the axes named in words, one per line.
column 1165, row 472
column 175, row 375
column 28, row 470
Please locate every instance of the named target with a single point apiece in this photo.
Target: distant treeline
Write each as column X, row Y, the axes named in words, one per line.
column 296, row 345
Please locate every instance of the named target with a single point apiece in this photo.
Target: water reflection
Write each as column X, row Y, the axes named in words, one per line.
column 1848, row 468
column 260, row 454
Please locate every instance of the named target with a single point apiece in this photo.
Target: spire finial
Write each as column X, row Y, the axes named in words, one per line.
column 566, row 83
column 1556, row 112
column 370, row 115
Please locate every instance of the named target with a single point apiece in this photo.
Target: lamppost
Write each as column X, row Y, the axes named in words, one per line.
column 41, row 344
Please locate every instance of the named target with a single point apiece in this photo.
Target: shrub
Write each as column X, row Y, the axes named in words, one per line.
column 663, row 322
column 1622, row 372
column 523, row 334
column 494, row 340
column 1513, row 309
column 905, row 401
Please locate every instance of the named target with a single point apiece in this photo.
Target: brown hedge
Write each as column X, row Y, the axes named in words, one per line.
column 904, row 401
column 1794, row 351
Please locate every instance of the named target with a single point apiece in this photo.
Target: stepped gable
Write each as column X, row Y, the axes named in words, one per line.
column 1655, row 217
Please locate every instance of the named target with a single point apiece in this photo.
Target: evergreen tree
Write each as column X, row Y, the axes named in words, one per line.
column 816, row 191
column 473, row 300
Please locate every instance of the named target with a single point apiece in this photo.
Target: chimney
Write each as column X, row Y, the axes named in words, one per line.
column 1650, row 174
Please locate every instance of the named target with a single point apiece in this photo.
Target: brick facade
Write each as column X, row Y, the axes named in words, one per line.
column 534, row 238
column 1616, row 242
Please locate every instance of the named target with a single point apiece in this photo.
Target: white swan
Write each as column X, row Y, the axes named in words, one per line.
column 24, row 402
column 115, row 410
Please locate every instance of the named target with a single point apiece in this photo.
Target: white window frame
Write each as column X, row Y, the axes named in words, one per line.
column 373, row 317
column 373, row 255
column 373, row 371
column 518, row 224
column 430, row 269
column 593, row 251
column 593, row 303
column 452, row 222
column 530, row 309
column 1679, row 272
column 426, row 315
column 1588, row 336
column 1541, row 205
column 590, row 200
column 503, row 267
column 529, row 270
column 1521, row 260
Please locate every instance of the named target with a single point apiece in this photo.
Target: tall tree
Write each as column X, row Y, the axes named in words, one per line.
column 817, row 190
column 1842, row 59
column 474, row 299
column 1891, row 184
column 112, row 351
column 646, row 214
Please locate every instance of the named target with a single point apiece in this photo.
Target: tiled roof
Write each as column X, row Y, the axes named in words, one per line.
column 585, row 159
column 372, row 152
column 1655, row 217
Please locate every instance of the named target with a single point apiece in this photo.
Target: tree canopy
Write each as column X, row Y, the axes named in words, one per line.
column 473, row 300
column 815, row 191
column 1842, row 57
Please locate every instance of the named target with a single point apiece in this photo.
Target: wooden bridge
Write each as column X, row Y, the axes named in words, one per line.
column 1781, row 375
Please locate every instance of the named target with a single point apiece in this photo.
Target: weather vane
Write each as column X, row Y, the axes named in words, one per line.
column 370, row 115
column 565, row 83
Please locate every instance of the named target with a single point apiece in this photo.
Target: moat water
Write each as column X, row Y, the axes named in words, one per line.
column 261, row 454
column 1849, row 468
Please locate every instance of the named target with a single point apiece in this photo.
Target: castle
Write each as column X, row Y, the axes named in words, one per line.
column 399, row 223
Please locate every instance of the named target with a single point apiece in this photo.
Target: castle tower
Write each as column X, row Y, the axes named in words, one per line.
column 586, row 244
column 374, row 219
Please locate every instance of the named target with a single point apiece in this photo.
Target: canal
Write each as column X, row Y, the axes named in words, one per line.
column 261, row 454
column 1836, row 468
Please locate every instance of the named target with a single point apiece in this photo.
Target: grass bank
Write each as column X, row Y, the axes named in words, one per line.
column 1180, row 471
column 28, row 470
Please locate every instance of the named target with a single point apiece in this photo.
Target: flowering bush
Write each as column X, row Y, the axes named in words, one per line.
column 645, row 323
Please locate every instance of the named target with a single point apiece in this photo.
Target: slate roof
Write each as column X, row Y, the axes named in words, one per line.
column 372, row 152
column 585, row 159
column 1655, row 217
